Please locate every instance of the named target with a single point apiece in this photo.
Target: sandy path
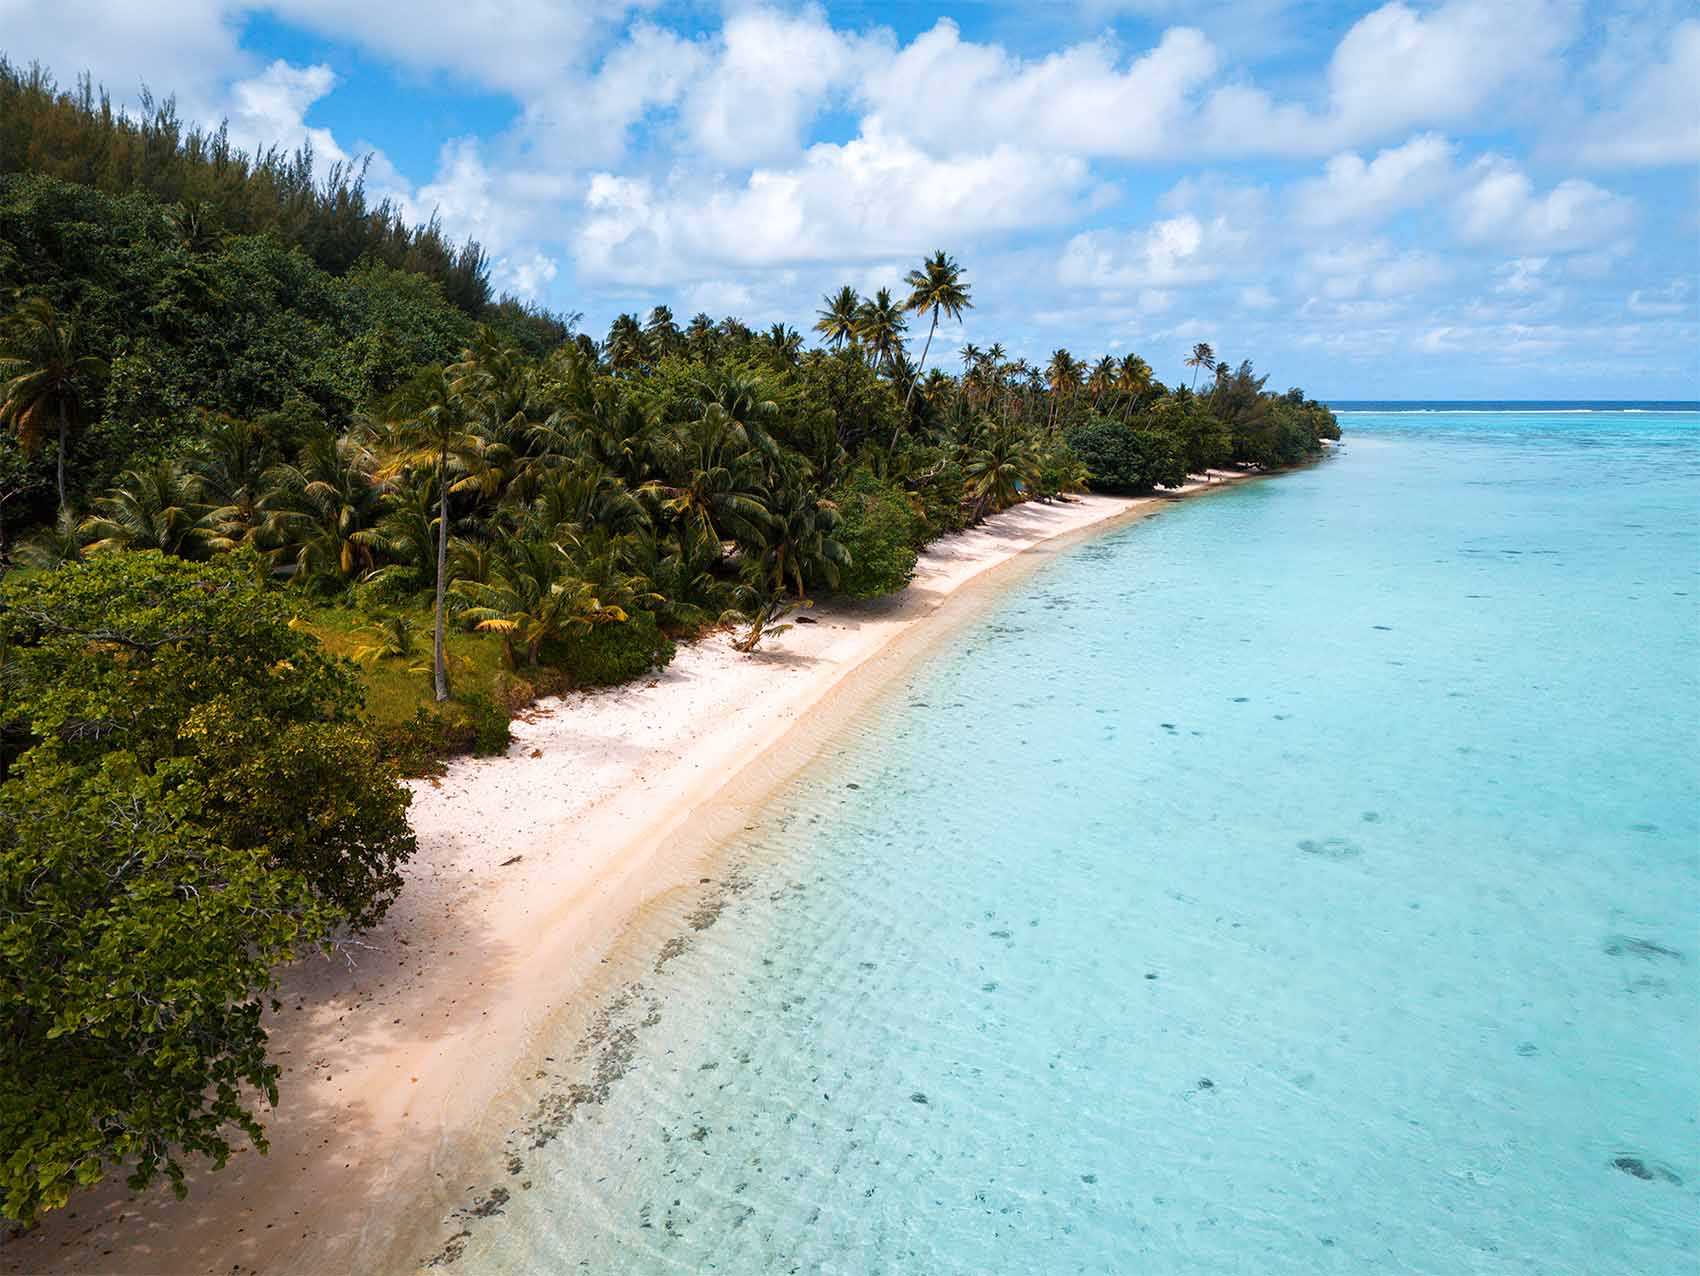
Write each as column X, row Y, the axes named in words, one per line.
column 528, row 866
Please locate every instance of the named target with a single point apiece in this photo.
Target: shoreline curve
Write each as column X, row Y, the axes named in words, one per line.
column 532, row 868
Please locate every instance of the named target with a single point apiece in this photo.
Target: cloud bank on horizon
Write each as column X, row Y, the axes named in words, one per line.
column 1493, row 198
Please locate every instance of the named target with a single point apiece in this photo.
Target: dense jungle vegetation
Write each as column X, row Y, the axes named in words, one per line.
column 286, row 499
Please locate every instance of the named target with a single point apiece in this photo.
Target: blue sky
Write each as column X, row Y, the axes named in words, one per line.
column 1475, row 198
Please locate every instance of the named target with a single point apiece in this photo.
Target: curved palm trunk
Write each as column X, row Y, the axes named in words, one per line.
column 922, row 366
column 439, row 665
column 59, row 461
column 916, row 379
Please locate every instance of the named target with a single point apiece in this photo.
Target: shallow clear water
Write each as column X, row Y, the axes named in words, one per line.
column 1302, row 880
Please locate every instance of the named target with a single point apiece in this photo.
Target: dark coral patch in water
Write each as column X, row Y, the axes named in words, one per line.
column 1331, row 848
column 1637, row 1168
column 1646, row 949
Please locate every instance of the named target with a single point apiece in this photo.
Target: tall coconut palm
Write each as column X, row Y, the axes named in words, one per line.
column 661, row 335
column 700, row 337
column 785, row 342
column 1102, row 380
column 625, row 348
column 837, row 320
column 1133, row 379
column 1202, row 356
column 45, row 378
column 936, row 287
column 426, row 421
column 880, row 326
column 1063, row 377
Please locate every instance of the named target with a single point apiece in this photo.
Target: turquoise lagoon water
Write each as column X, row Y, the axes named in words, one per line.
column 1303, row 880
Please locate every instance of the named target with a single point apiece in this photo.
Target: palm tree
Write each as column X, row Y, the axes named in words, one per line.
column 838, row 319
column 1063, row 376
column 1202, row 356
column 1102, row 380
column 711, row 481
column 197, row 225
column 1133, row 379
column 880, row 326
column 625, row 347
column 149, row 508
column 581, row 497
column 324, row 509
column 534, row 595
column 700, row 337
column 762, row 604
column 800, row 540
column 661, row 334
column 427, row 418
column 937, row 286
column 409, row 532
column 785, row 342
column 493, row 383
column 227, row 473
column 996, row 470
column 750, row 405
column 44, row 377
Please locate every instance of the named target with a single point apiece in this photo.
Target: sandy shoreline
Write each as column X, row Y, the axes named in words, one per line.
column 529, row 868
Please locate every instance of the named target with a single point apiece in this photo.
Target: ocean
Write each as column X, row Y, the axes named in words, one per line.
column 1305, row 879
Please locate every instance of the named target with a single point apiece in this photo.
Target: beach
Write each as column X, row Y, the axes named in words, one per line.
column 529, row 868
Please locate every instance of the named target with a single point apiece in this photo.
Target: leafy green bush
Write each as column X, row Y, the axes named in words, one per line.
column 1123, row 459
column 488, row 722
column 1058, row 470
column 880, row 529
column 942, row 493
column 187, row 799
column 611, row 653
column 476, row 723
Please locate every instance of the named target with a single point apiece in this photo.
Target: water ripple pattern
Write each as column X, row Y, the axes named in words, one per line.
column 1303, row 880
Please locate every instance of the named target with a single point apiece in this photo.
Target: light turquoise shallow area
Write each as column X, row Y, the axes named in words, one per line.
column 1304, row 880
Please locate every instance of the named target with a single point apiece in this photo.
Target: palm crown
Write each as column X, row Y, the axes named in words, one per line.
column 937, row 287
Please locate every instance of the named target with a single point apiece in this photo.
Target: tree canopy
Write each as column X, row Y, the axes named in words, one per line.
column 188, row 800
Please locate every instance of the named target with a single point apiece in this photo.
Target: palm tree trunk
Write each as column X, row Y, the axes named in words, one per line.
column 59, row 461
column 921, row 366
column 439, row 665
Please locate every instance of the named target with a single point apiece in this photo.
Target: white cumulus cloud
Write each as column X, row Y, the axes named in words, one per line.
column 1352, row 189
column 1501, row 206
column 877, row 196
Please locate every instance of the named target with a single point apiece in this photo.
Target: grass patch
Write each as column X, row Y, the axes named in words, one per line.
column 400, row 698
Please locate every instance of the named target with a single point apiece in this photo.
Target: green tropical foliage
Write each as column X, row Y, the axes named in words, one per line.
column 187, row 799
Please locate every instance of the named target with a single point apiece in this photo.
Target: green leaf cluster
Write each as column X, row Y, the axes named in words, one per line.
column 188, row 800
column 881, row 531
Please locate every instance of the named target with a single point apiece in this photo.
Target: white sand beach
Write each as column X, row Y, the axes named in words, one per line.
column 529, row 866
